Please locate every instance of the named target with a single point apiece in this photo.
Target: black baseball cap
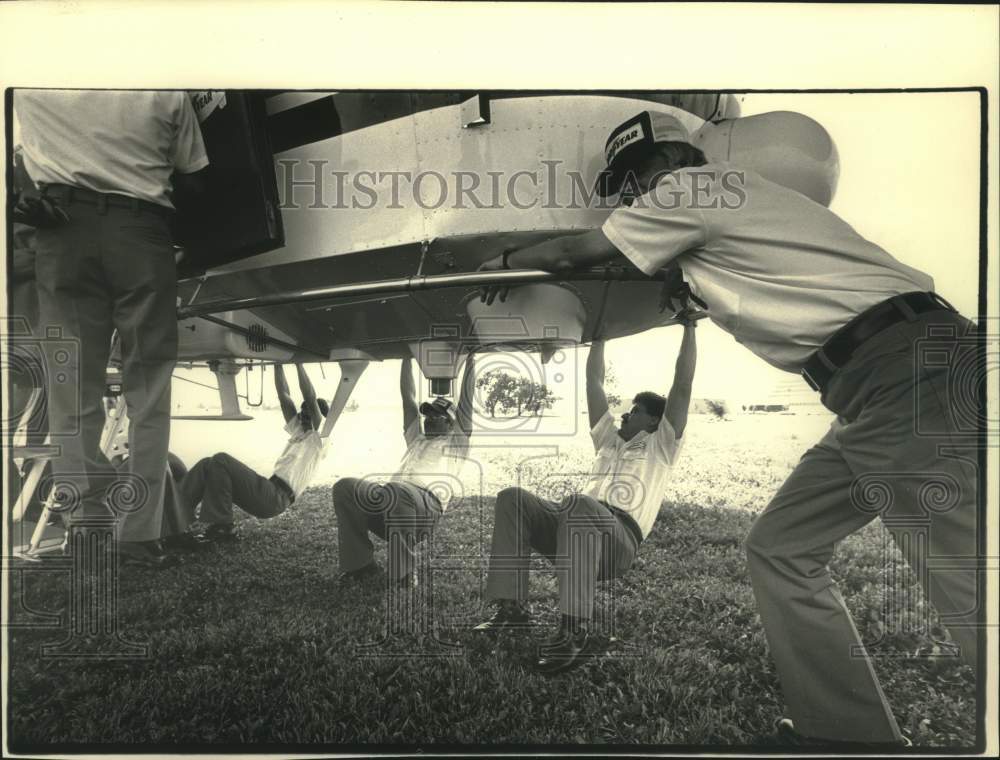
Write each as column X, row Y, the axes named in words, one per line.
column 632, row 141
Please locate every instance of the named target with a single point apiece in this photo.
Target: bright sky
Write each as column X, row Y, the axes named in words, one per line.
column 909, row 181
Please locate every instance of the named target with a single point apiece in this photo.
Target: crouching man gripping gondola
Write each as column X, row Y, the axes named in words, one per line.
column 414, row 499
column 220, row 481
column 593, row 535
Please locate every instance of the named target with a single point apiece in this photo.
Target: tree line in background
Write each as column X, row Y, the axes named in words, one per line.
column 507, row 392
column 503, row 392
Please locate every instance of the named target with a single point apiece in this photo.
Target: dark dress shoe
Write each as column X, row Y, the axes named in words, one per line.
column 565, row 652
column 143, row 554
column 787, row 736
column 507, row 615
column 221, row 533
column 185, row 542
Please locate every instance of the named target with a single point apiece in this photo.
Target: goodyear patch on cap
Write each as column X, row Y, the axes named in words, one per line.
column 626, row 137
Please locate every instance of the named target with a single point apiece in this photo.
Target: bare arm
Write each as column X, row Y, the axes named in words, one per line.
column 464, row 410
column 679, row 398
column 597, row 401
column 309, row 396
column 561, row 253
column 288, row 409
column 408, row 393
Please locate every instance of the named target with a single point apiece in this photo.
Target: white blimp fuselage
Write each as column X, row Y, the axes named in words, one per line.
column 384, row 223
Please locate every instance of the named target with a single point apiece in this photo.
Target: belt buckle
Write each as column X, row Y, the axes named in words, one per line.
column 941, row 302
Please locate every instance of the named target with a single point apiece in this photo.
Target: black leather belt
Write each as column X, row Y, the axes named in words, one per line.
column 284, row 487
column 66, row 194
column 628, row 521
column 838, row 350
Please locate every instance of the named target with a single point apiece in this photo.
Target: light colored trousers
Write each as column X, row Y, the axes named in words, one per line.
column 398, row 512
column 901, row 450
column 221, row 481
column 585, row 541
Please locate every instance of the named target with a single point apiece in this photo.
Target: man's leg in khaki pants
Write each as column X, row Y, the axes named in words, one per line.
column 591, row 545
column 356, row 503
column 904, row 458
column 364, row 506
column 410, row 521
column 522, row 522
column 912, row 446
column 139, row 264
column 74, row 302
column 177, row 515
column 830, row 693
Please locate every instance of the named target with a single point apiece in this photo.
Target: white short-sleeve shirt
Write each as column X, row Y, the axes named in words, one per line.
column 778, row 271
column 127, row 142
column 433, row 462
column 303, row 453
column 632, row 475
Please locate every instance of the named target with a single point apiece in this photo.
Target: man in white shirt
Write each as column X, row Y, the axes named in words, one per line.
column 616, row 510
column 415, row 498
column 800, row 288
column 221, row 481
column 106, row 164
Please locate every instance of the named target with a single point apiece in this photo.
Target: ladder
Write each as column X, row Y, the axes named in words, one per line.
column 114, row 443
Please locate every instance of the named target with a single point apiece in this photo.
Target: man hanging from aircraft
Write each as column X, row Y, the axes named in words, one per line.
column 800, row 288
column 221, row 481
column 593, row 535
column 409, row 505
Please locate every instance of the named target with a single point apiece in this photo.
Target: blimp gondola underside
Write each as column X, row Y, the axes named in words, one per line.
column 382, row 206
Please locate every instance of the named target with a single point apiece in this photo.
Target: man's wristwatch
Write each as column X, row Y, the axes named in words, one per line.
column 504, row 263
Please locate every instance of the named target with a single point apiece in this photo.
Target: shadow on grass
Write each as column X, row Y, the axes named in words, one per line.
column 257, row 644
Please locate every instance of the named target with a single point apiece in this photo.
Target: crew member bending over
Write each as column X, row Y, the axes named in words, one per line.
column 799, row 287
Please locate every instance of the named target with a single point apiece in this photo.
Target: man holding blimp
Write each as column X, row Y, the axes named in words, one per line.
column 800, row 288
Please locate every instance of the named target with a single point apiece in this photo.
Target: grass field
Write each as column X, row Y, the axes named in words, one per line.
column 256, row 643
